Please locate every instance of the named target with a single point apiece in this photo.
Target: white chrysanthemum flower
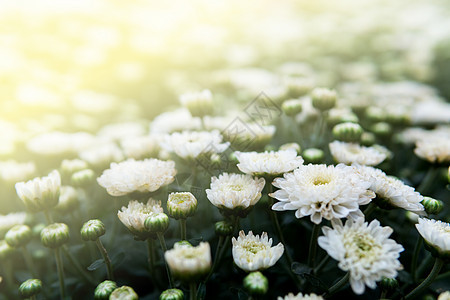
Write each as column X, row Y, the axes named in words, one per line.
column 434, row 149
column 10, row 220
column 172, row 121
column 364, row 250
column 134, row 215
column 102, row 155
column 190, row 144
column 199, row 104
column 129, row 176
column 189, row 263
column 235, row 191
column 300, row 296
column 269, row 162
column 60, row 143
column 391, row 190
column 321, row 191
column 41, row 193
column 13, row 171
column 444, row 296
column 348, row 153
column 141, row 147
column 436, row 234
column 255, row 253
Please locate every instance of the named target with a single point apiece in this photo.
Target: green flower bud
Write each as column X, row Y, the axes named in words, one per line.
column 294, row 146
column 292, row 107
column 92, row 230
column 367, row 139
column 298, row 87
column 347, row 132
column 55, row 235
column 104, row 290
column 313, row 155
column 323, row 99
column 82, row 178
column 172, row 294
column 30, row 288
column 18, row 236
column 181, row 205
column 381, row 129
column 124, row 293
column 5, row 250
column 338, row 116
column 256, row 283
column 375, row 114
column 432, row 206
column 223, row 228
column 157, row 223
column 388, row 284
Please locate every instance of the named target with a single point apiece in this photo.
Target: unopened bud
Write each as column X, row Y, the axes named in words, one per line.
column 172, row 294
column 92, row 230
column 388, row 284
column 347, row 132
column 323, row 99
column 181, row 205
column 55, row 235
column 18, row 236
column 124, row 293
column 30, row 288
column 104, row 290
column 292, row 107
column 256, row 283
column 432, row 206
column 157, row 223
column 83, row 178
column 313, row 155
column 294, row 146
column 223, row 228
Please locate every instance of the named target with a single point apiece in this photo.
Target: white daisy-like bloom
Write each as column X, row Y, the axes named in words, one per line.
column 391, row 189
column 434, row 149
column 141, row 146
column 235, row 191
column 129, row 176
column 134, row 215
column 40, row 193
column 437, row 235
column 190, row 144
column 187, row 262
column 321, row 191
column 300, row 296
column 199, row 104
column 59, row 143
column 444, row 296
column 100, row 156
column 362, row 249
column 118, row 131
column 13, row 171
column 177, row 120
column 10, row 220
column 255, row 253
column 268, row 162
column 348, row 153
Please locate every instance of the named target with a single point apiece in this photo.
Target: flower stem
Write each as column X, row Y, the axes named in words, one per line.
column 313, row 245
column 322, row 264
column 415, row 256
column 369, row 209
column 183, row 228
column 428, row 179
column 59, row 268
column 216, row 257
column 383, row 294
column 338, row 285
column 104, row 253
column 29, row 262
column 48, row 217
column 77, row 265
column 438, row 264
column 193, row 291
column 162, row 241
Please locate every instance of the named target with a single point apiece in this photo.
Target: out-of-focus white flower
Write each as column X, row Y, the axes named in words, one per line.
column 13, row 171
column 437, row 236
column 141, row 146
column 348, row 153
column 100, row 156
column 177, row 120
column 10, row 220
column 70, row 166
column 41, row 193
column 248, row 136
column 269, row 162
column 434, row 149
column 300, row 296
column 190, row 144
column 444, row 296
column 134, row 215
column 59, row 143
column 391, row 190
column 235, row 192
column 118, row 131
column 129, row 176
column 255, row 253
column 321, row 191
column 362, row 249
column 199, row 104
column 431, row 112
column 189, row 263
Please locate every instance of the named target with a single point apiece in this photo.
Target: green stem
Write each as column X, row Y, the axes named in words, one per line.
column 313, row 245
column 415, row 256
column 369, row 209
column 276, row 224
column 428, row 179
column 424, row 264
column 59, row 268
column 383, row 294
column 193, row 291
column 216, row 256
column 183, row 229
column 434, row 272
column 48, row 217
column 164, row 248
column 338, row 285
column 33, row 297
column 74, row 262
column 104, row 253
column 322, row 264
column 29, row 262
column 151, row 258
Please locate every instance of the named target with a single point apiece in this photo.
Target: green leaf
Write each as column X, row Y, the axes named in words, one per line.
column 96, row 264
